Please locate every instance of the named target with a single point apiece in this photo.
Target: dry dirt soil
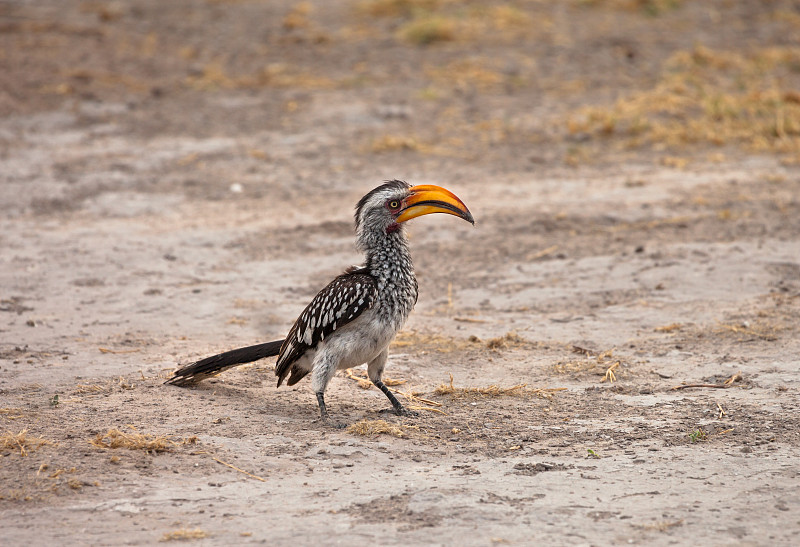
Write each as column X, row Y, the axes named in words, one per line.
column 178, row 179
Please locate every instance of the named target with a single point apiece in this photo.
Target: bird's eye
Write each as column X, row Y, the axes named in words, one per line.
column 394, row 204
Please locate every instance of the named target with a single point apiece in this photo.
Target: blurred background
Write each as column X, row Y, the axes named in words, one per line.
column 331, row 94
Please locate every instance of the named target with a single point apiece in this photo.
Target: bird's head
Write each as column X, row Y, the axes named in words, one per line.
column 384, row 209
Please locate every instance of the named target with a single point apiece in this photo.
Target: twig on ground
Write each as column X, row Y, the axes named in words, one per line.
column 735, row 378
column 542, row 253
column 106, row 350
column 364, row 381
column 609, row 375
column 226, row 464
column 687, row 386
column 412, row 398
column 724, row 385
column 430, row 408
column 469, row 320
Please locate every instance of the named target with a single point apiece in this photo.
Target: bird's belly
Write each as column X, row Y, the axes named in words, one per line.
column 358, row 343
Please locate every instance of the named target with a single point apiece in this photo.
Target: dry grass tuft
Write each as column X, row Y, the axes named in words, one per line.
column 81, row 389
column 660, row 526
column 466, row 74
column 711, row 97
column 398, row 8
column 649, row 7
column 428, row 30
column 674, row 162
column 361, row 379
column 297, row 17
column 22, row 441
column 672, row 327
column 11, row 413
column 600, row 363
column 478, row 24
column 183, row 535
column 447, row 146
column 395, row 143
column 518, row 390
column 432, row 21
column 376, row 427
column 508, row 340
column 610, row 376
column 214, row 76
column 763, row 330
column 115, row 438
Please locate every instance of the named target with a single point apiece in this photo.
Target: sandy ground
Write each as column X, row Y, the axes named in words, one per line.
column 178, row 179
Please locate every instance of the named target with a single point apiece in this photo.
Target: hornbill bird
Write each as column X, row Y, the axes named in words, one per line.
column 354, row 319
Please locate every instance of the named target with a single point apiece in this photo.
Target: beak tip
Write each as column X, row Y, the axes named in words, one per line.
column 426, row 199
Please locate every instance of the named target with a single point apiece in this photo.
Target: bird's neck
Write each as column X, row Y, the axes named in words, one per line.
column 388, row 258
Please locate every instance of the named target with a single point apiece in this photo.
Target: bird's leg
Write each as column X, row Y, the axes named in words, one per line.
column 323, row 413
column 323, row 410
column 321, row 374
column 399, row 409
column 375, row 371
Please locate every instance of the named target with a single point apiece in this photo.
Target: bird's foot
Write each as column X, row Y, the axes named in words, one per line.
column 401, row 411
column 398, row 407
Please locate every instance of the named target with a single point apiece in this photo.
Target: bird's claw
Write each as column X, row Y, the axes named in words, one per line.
column 403, row 411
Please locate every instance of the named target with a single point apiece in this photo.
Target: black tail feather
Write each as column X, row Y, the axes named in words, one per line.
column 211, row 366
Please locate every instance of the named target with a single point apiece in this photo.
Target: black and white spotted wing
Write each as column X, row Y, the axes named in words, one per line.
column 344, row 299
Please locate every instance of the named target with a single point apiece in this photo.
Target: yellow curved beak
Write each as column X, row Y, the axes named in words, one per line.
column 428, row 198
